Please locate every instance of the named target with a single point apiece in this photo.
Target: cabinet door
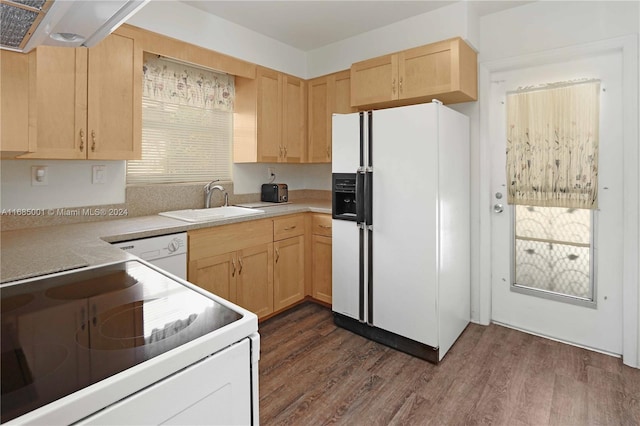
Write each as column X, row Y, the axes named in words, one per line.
column 216, row 274
column 374, row 80
column 321, row 269
column 58, row 103
column 114, row 99
column 14, row 96
column 288, row 280
column 319, row 120
column 269, row 116
column 425, row 70
column 342, row 94
column 294, row 109
column 255, row 279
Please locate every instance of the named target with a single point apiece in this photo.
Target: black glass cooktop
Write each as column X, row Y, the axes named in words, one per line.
column 61, row 334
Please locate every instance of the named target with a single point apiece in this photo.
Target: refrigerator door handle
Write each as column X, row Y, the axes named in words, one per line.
column 361, row 275
column 360, row 197
column 368, row 197
column 370, row 276
column 361, row 119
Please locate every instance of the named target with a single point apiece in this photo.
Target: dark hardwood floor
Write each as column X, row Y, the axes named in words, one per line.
column 312, row 373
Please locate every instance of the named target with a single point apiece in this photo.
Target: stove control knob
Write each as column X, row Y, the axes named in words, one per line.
column 174, row 245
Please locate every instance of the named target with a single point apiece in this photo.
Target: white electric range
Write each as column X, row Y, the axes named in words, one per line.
column 125, row 343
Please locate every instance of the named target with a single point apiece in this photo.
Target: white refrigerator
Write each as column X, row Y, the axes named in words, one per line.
column 401, row 231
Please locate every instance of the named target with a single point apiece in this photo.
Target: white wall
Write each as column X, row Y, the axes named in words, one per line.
column 247, row 178
column 70, row 184
column 546, row 25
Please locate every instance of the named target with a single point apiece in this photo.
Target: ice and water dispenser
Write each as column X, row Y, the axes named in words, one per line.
column 344, row 196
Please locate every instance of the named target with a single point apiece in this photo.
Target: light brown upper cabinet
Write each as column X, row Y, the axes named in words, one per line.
column 327, row 95
column 270, row 118
column 445, row 70
column 86, row 103
column 14, row 109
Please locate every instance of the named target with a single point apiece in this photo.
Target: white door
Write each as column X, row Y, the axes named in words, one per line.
column 405, row 234
column 598, row 326
column 346, row 234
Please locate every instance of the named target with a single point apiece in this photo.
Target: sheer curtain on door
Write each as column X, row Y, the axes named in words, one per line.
column 552, row 177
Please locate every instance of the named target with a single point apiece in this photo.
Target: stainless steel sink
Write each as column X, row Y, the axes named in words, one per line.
column 214, row 213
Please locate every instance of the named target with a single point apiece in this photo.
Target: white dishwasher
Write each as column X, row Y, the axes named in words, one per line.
column 167, row 252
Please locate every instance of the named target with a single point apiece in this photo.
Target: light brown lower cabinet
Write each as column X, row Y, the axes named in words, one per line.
column 288, row 272
column 321, row 269
column 260, row 264
column 288, row 236
column 235, row 262
column 243, row 277
column 216, row 274
column 254, row 279
column 321, row 258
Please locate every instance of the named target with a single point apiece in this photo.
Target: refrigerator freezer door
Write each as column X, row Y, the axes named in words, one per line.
column 346, row 297
column 345, row 143
column 405, row 222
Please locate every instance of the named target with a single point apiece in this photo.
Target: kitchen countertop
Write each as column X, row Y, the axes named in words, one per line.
column 31, row 252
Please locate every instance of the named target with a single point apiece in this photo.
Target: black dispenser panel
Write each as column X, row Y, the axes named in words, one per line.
column 344, row 204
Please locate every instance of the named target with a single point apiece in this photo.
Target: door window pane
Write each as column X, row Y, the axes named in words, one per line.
column 552, row 251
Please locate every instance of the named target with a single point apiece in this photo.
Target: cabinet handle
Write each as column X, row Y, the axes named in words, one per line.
column 277, row 255
column 281, row 151
column 82, row 318
column 93, row 140
column 285, row 152
column 240, row 262
column 81, row 140
column 393, row 86
column 328, row 151
column 95, row 315
column 325, row 226
column 289, row 228
column 233, row 271
column 400, row 84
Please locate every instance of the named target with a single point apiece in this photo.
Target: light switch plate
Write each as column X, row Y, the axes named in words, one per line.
column 99, row 175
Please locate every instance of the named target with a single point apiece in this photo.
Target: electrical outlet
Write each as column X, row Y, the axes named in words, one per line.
column 271, row 172
column 99, row 175
column 39, row 175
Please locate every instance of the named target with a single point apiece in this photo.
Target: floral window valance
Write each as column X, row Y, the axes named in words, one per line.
column 552, row 145
column 182, row 84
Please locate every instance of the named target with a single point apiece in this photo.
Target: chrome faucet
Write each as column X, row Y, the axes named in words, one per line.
column 208, row 190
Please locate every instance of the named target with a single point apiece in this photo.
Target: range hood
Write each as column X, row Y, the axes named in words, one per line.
column 27, row 24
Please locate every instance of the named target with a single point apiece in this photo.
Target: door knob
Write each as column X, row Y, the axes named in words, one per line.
column 498, row 208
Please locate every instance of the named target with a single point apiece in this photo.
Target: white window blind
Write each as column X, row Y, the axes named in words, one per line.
column 187, row 122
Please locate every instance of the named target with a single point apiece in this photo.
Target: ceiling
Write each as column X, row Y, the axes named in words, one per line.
column 308, row 24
